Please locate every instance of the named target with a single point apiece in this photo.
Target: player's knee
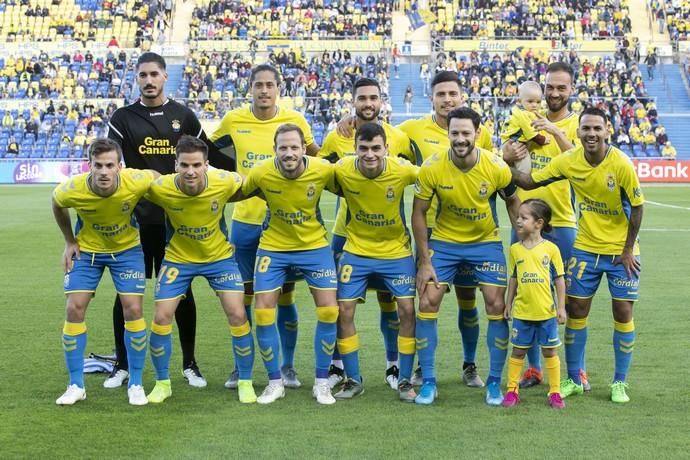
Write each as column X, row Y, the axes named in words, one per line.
column 428, row 304
column 132, row 308
column 495, row 306
column 622, row 311
column 346, row 312
column 327, row 314
column 405, row 311
column 75, row 310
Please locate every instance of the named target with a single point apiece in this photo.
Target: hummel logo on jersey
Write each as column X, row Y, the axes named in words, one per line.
column 244, row 131
column 155, row 114
column 176, row 209
column 519, row 261
column 87, row 210
column 278, row 192
column 354, row 192
column 431, row 141
column 445, row 187
column 581, row 179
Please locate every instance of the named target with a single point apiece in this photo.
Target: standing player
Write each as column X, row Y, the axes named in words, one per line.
column 106, row 236
column 377, row 245
column 251, row 129
column 367, row 104
column 148, row 131
column 560, row 126
column 466, row 180
column 610, row 206
column 429, row 135
column 194, row 202
column 294, row 238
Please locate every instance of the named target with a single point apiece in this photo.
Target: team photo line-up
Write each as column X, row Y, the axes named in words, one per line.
column 574, row 203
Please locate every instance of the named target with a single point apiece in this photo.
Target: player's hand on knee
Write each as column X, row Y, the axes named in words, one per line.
column 425, row 275
column 71, row 251
column 629, row 262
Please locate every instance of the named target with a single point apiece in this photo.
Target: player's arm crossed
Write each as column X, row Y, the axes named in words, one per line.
column 244, row 194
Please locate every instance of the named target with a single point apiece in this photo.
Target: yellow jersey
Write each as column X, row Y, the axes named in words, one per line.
column 197, row 232
column 556, row 195
column 533, row 270
column 428, row 138
column 467, row 200
column 375, row 217
column 294, row 218
column 336, row 146
column 105, row 224
column 603, row 196
column 253, row 141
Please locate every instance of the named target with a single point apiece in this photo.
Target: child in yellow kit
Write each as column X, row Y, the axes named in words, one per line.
column 535, row 264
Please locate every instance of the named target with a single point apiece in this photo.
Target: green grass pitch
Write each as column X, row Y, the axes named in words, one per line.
column 212, row 423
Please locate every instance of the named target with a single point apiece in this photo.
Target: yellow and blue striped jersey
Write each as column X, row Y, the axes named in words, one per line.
column 428, row 138
column 603, row 195
column 533, row 269
column 336, row 146
column 197, row 232
column 105, row 224
column 375, row 215
column 294, row 218
column 467, row 200
column 557, row 195
column 253, row 141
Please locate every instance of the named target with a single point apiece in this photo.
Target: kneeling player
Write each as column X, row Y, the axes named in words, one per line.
column 194, row 200
column 106, row 236
column 534, row 261
column 377, row 245
column 294, row 238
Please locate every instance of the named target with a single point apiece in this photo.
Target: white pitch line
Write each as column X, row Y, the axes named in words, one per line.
column 664, row 205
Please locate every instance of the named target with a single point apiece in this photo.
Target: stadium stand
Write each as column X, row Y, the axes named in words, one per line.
column 109, row 74
column 676, row 15
column 559, row 20
column 294, row 19
column 129, row 22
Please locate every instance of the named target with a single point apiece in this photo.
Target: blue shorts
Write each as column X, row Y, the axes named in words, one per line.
column 485, row 261
column 245, row 238
column 584, row 272
column 563, row 237
column 337, row 245
column 355, row 272
column 273, row 268
column 126, row 270
column 465, row 277
column 543, row 333
column 174, row 279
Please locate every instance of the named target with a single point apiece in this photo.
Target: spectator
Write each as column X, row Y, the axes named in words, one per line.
column 668, row 152
column 407, row 99
column 12, row 147
column 651, row 61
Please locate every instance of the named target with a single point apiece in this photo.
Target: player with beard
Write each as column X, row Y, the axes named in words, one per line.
column 250, row 129
column 148, row 131
column 610, row 203
column 560, row 126
column 466, row 180
column 367, row 104
column 429, row 135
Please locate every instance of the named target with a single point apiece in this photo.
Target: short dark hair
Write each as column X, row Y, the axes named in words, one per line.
column 286, row 128
column 368, row 131
column 151, row 57
column 560, row 66
column 364, row 81
column 103, row 145
column 540, row 209
column 190, row 144
column 594, row 111
column 264, row 68
column 445, row 76
column 465, row 113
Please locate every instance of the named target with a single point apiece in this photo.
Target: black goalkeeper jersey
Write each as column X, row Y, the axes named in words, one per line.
column 148, row 136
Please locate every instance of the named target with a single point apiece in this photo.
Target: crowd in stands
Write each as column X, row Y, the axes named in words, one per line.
column 673, row 15
column 53, row 129
column 293, row 19
column 130, row 22
column 545, row 19
column 320, row 85
column 64, row 76
column 612, row 83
